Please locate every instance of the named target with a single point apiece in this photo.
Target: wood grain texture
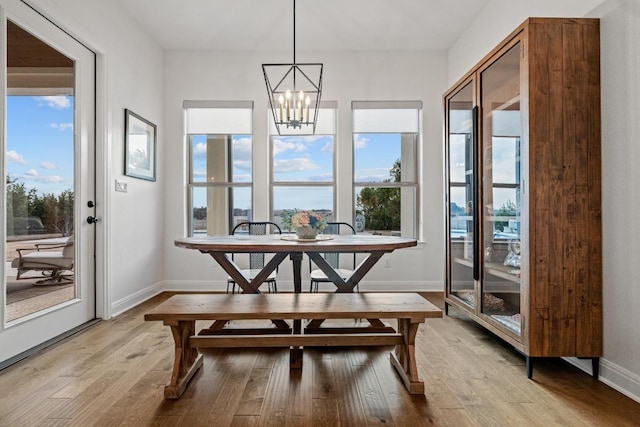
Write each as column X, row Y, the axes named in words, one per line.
column 275, row 243
column 561, row 272
column 295, row 306
column 102, row 377
column 180, row 313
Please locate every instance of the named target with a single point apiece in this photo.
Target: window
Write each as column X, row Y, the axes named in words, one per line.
column 220, row 171
column 302, row 169
column 386, row 164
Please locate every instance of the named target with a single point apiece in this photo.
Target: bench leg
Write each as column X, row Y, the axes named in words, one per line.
column 186, row 360
column 403, row 358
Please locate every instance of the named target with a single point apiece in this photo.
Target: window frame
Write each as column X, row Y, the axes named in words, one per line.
column 229, row 185
column 327, row 120
column 417, row 138
column 225, row 108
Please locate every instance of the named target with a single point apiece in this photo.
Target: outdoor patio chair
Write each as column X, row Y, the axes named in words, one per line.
column 256, row 260
column 55, row 265
column 333, row 258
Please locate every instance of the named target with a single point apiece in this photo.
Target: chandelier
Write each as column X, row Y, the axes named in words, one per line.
column 294, row 99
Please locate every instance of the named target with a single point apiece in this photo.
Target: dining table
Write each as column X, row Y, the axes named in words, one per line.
column 288, row 245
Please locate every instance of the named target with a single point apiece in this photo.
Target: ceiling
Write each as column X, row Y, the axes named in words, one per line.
column 335, row 25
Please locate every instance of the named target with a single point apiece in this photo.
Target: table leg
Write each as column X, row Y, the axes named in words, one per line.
column 349, row 285
column 232, row 270
column 403, row 358
column 186, row 360
column 296, row 260
column 251, row 287
column 295, row 352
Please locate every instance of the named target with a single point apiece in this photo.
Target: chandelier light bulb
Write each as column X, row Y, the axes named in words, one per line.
column 291, row 107
column 287, row 106
column 281, row 99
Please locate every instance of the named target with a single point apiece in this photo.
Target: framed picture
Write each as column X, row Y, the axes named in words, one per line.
column 139, row 147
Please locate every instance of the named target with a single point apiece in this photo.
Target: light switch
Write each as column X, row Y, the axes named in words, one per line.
column 121, row 186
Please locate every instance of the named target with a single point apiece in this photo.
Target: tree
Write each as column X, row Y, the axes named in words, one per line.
column 381, row 206
column 507, row 209
column 285, row 217
column 55, row 211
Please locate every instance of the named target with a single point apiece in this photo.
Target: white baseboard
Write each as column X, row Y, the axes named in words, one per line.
column 127, row 303
column 620, row 379
column 287, row 286
column 616, row 377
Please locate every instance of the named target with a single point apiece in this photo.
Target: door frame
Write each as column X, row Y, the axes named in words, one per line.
column 103, row 154
column 99, row 303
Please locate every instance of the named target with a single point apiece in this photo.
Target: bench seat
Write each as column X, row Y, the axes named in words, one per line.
column 180, row 312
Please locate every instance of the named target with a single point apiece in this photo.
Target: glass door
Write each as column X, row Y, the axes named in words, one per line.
column 461, row 178
column 501, row 131
column 48, row 108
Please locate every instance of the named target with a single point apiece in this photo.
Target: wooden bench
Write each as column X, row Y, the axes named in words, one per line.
column 181, row 312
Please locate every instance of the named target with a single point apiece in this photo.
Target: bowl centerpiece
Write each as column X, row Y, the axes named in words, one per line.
column 307, row 224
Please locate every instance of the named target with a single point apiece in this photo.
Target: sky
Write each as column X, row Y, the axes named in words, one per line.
column 40, row 154
column 40, row 142
column 306, row 159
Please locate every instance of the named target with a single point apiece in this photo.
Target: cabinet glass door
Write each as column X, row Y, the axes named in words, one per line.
column 461, row 189
column 501, row 131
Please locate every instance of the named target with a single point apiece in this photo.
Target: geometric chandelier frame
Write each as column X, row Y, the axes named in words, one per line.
column 294, row 90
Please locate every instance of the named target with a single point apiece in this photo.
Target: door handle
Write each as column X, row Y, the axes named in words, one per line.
column 92, row 219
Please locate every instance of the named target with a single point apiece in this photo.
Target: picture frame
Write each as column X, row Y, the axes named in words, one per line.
column 139, row 147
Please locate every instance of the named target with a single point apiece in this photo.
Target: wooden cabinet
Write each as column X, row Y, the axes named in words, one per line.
column 523, row 183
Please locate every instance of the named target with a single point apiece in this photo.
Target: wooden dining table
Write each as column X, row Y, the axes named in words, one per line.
column 283, row 246
column 287, row 245
column 315, row 332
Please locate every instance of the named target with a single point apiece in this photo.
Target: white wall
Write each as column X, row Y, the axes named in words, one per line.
column 347, row 76
column 130, row 74
column 136, row 250
column 620, row 71
column 497, row 20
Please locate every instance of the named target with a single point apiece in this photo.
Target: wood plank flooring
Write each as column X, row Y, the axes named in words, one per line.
column 113, row 374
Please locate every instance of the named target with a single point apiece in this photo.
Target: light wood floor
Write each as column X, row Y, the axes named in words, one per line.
column 113, row 374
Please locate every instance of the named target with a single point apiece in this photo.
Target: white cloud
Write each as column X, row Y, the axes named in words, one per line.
column 328, row 147
column 327, row 177
column 15, row 157
column 280, row 146
column 30, row 176
column 199, row 173
column 48, row 165
column 372, row 175
column 294, row 165
column 62, row 126
column 243, row 164
column 200, row 149
column 242, row 177
column 51, row 179
column 55, row 102
column 360, row 141
column 242, row 149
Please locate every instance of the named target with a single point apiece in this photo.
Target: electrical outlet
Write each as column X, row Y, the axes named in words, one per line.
column 387, row 264
column 121, row 186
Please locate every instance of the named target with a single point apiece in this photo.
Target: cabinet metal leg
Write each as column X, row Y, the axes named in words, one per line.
column 446, row 309
column 595, row 367
column 529, row 367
